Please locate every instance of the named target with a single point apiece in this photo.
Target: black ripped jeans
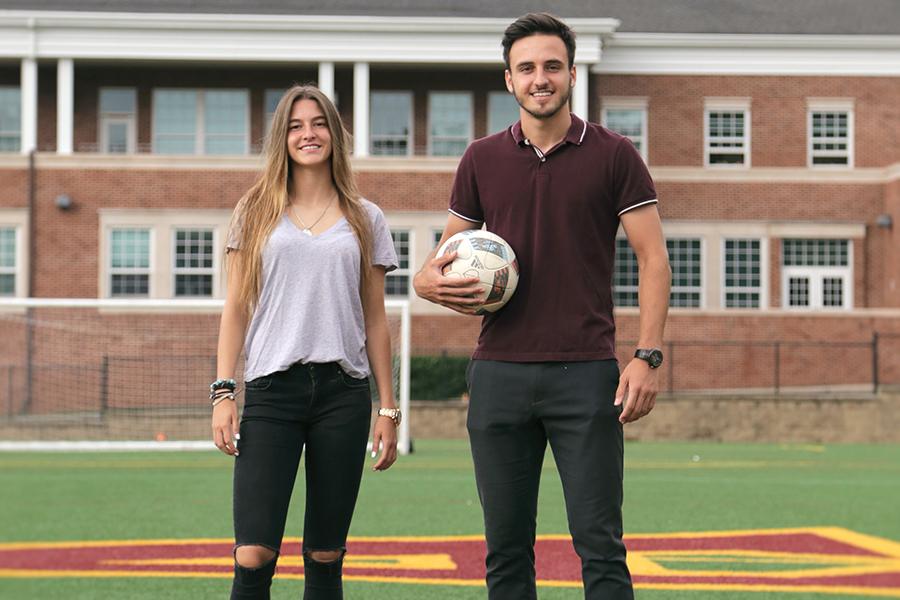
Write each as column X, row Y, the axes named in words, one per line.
column 322, row 408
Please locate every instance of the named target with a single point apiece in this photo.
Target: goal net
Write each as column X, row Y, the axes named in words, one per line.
column 119, row 374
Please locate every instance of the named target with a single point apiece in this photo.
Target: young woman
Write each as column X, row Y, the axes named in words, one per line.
column 306, row 260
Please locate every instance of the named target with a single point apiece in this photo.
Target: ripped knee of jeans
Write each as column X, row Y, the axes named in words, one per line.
column 325, row 556
column 254, row 556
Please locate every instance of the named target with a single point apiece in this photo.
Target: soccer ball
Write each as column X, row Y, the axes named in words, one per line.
column 488, row 257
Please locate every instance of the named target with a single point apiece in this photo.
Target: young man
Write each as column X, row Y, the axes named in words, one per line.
column 556, row 188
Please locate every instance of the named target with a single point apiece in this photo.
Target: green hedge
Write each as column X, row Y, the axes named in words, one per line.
column 437, row 377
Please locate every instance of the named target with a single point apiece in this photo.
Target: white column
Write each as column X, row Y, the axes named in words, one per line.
column 326, row 79
column 65, row 104
column 361, row 109
column 580, row 93
column 29, row 94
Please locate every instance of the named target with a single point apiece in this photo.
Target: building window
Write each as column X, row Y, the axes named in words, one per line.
column 727, row 133
column 743, row 273
column 194, row 262
column 449, row 123
column 200, row 121
column 270, row 103
column 817, row 273
column 118, row 107
column 396, row 282
column 625, row 275
column 830, row 127
column 129, row 262
column 436, row 235
column 503, row 111
column 10, row 119
column 685, row 260
column 391, row 121
column 7, row 261
column 225, row 121
column 628, row 117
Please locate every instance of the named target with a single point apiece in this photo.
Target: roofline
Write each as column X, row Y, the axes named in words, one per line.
column 269, row 38
column 293, row 22
column 755, row 40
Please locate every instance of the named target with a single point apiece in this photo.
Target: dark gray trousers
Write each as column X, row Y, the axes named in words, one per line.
column 514, row 410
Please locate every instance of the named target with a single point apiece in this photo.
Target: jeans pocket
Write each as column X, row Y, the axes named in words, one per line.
column 353, row 382
column 259, row 384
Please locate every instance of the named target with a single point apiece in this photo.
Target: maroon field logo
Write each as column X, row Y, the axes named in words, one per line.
column 812, row 560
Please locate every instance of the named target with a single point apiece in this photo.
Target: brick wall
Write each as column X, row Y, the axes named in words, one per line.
column 778, row 113
column 67, row 241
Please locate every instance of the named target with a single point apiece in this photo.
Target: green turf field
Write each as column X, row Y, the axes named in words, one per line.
column 683, row 487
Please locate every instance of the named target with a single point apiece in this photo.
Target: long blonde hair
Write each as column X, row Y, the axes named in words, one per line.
column 258, row 212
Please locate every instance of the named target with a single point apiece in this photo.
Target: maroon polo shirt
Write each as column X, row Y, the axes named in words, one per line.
column 560, row 212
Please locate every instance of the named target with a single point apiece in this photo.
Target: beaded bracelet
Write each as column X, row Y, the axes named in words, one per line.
column 222, row 384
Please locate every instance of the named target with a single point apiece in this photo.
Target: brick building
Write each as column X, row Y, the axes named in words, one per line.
column 772, row 130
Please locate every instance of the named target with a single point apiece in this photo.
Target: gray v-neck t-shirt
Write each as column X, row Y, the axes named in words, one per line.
column 309, row 307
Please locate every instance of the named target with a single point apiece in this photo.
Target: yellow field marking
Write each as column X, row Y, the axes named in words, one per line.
column 409, row 562
column 113, row 543
column 858, row 565
column 861, row 540
column 729, row 587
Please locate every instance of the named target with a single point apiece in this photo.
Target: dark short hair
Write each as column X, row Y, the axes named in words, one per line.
column 538, row 23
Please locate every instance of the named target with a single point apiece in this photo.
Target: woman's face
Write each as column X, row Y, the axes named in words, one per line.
column 308, row 138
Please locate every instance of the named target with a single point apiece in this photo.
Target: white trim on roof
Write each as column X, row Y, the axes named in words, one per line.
column 271, row 38
column 750, row 54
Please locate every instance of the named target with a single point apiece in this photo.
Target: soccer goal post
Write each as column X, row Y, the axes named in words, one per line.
column 91, row 374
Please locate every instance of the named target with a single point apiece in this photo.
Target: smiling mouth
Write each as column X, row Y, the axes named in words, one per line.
column 542, row 94
column 309, row 147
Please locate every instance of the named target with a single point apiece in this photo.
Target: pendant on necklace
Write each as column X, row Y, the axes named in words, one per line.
column 308, row 232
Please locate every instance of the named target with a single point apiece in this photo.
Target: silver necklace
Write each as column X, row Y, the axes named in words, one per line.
column 307, row 229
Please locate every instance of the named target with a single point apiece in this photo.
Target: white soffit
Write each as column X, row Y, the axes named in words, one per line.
column 743, row 54
column 270, row 38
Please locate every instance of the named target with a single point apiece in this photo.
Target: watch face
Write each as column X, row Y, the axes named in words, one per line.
column 656, row 358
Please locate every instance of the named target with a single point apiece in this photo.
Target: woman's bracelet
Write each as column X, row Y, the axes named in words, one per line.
column 220, row 397
column 223, row 384
column 214, row 392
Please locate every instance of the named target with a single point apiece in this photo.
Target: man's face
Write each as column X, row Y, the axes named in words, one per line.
column 538, row 75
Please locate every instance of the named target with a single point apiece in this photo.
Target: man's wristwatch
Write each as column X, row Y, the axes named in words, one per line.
column 654, row 356
column 393, row 414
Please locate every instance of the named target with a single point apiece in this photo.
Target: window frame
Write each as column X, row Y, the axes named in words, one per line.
column 200, row 120
column 730, row 105
column 18, row 263
column 176, row 270
column 817, row 275
column 112, row 271
column 410, row 136
column 13, row 133
column 408, row 271
column 162, row 224
column 629, row 103
column 701, row 288
column 471, row 129
column 830, row 105
column 129, row 119
column 629, row 288
column 762, row 290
